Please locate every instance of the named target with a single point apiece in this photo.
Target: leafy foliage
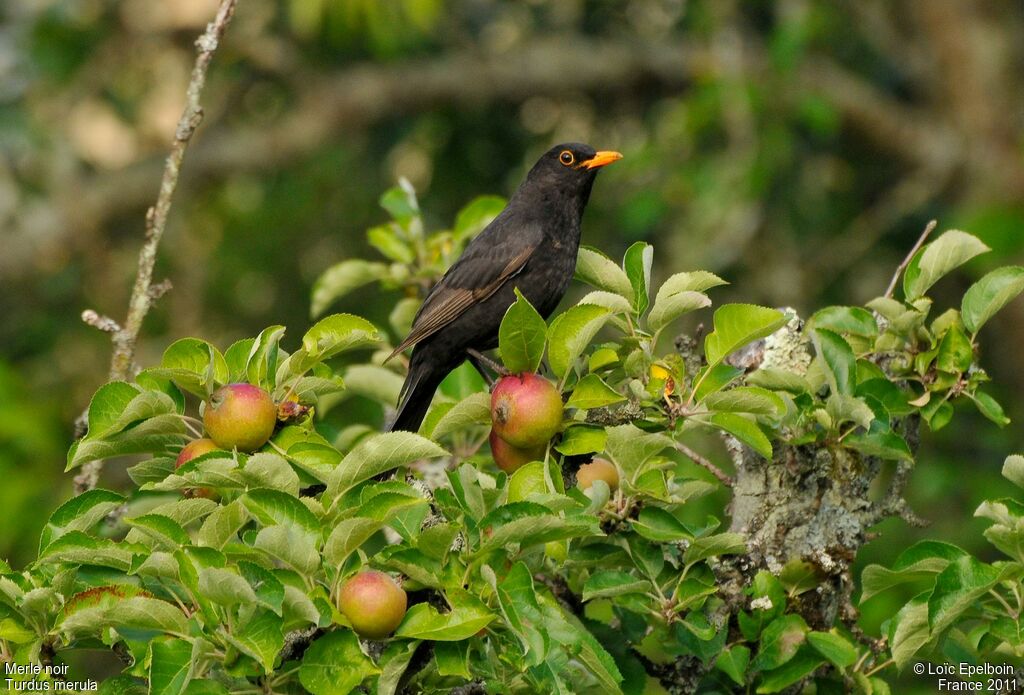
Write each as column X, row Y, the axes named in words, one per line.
column 218, row 568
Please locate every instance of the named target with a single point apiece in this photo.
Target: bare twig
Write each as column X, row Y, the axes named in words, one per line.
column 929, row 228
column 144, row 292
column 102, row 323
column 705, row 463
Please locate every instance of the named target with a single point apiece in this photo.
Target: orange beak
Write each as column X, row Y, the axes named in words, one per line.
column 603, row 158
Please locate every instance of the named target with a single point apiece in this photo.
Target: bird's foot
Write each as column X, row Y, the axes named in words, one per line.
column 482, row 363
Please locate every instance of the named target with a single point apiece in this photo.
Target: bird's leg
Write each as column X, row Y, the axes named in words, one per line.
column 480, row 361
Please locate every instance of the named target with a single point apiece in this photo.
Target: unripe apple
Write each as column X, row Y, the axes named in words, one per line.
column 526, row 481
column 240, row 416
column 194, row 449
column 373, row 602
column 598, row 469
column 526, row 410
column 510, row 458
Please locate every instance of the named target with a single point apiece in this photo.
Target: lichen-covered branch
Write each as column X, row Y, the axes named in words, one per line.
column 144, row 291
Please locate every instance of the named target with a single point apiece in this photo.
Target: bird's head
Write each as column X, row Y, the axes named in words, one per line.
column 568, row 170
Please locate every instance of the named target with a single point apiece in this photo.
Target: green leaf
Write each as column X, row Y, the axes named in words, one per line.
column 695, row 281
column 854, row 320
column 608, row 583
column 107, row 404
column 400, row 202
column 957, row 589
column 261, row 367
column 745, row 430
column 346, row 537
column 194, row 365
column 834, row 647
column 733, row 662
column 909, row 631
column 839, row 361
column 737, row 325
column 162, row 434
column 452, row 659
column 637, row 264
column 952, row 249
column 597, row 270
column 990, row 294
column 631, row 448
column 87, row 612
column 521, row 336
column 592, row 392
column 393, row 664
column 225, row 586
column 526, row 523
column 615, row 303
column 384, row 238
column 746, row 399
column 379, row 454
column 659, row 525
column 842, row 408
column 923, row 561
column 714, row 546
column 161, row 529
column 1013, row 469
column 476, row 215
column 571, row 332
column 143, row 613
column 795, row 669
column 331, row 336
column 80, row 513
column 990, row 408
column 260, row 637
column 170, row 666
column 517, row 598
column 340, row 279
column 668, row 309
column 474, row 410
column 956, row 354
column 76, row 548
column 291, row 546
column 582, row 439
column 780, row 641
column 883, row 444
column 779, row 380
column 271, row 507
column 468, row 615
column 222, row 525
column 237, row 357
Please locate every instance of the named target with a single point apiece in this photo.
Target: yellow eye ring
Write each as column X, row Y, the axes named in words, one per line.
column 566, row 157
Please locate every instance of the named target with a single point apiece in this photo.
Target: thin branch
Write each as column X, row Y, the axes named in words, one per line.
column 929, row 228
column 144, row 292
column 722, row 476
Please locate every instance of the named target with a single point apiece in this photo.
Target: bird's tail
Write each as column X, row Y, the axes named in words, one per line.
column 417, row 393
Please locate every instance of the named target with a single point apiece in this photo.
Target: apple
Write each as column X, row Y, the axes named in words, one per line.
column 598, row 469
column 373, row 602
column 526, row 410
column 194, row 449
column 240, row 416
column 510, row 458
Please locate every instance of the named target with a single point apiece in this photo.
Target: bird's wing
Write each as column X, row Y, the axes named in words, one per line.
column 485, row 265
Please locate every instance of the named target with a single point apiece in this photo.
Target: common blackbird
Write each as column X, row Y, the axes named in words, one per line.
column 531, row 245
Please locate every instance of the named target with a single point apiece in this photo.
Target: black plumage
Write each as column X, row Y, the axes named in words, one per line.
column 531, row 244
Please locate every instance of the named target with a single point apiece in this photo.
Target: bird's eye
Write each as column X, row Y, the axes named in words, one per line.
column 566, row 158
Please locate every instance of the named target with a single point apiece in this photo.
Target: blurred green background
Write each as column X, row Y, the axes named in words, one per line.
column 795, row 147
